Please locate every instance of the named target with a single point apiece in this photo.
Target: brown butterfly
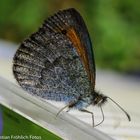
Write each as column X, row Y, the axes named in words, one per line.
column 57, row 63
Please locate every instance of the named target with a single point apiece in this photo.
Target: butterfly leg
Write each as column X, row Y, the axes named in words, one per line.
column 86, row 111
column 71, row 104
column 61, row 110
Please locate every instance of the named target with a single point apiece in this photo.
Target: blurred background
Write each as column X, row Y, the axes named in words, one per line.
column 114, row 27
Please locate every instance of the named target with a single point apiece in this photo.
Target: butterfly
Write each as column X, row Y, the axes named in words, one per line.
column 57, row 63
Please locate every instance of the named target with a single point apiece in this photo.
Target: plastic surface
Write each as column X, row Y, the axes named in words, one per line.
column 44, row 114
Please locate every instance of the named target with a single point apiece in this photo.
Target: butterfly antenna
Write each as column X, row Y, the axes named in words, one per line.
column 128, row 116
column 103, row 117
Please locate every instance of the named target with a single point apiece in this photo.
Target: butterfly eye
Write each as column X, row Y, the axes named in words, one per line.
column 64, row 32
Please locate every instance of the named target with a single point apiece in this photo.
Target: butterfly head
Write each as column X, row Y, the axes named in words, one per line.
column 98, row 98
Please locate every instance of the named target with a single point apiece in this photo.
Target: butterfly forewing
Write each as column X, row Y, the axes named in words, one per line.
column 56, row 62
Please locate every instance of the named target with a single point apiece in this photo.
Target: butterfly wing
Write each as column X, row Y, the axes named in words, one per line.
column 48, row 63
column 77, row 32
